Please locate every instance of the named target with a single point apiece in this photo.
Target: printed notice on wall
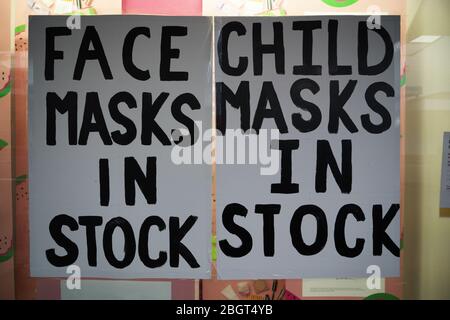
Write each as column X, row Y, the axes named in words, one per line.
column 315, row 100
column 109, row 102
column 445, row 177
column 340, row 287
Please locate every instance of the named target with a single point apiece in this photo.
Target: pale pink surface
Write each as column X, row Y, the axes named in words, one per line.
column 163, row 7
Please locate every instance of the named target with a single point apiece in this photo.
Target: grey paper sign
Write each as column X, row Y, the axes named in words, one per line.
column 325, row 202
column 104, row 192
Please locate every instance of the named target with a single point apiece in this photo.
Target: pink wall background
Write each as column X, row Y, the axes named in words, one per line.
column 6, row 179
column 163, row 7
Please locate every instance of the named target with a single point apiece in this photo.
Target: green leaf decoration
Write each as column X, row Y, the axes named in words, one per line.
column 5, row 90
column 20, row 28
column 21, row 179
column 3, row 144
column 381, row 296
column 403, row 80
column 214, row 248
column 8, row 255
column 340, row 3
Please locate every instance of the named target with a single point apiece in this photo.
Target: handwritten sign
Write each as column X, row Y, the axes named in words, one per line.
column 318, row 100
column 104, row 103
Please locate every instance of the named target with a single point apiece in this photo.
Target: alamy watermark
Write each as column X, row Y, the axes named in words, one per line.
column 233, row 147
